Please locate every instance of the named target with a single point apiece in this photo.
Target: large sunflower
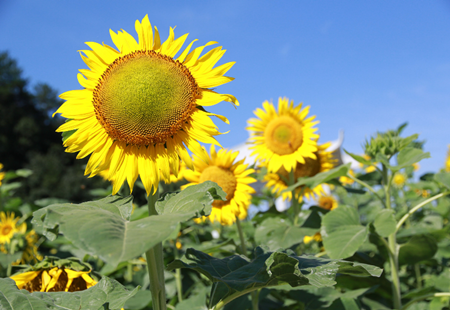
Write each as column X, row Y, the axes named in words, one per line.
column 141, row 107
column 232, row 177
column 324, row 161
column 284, row 138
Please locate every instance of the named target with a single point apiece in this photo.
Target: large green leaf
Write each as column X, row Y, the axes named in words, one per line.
column 278, row 233
column 443, row 178
column 418, row 248
column 192, row 199
column 342, row 232
column 106, row 291
column 320, row 178
column 385, row 222
column 103, row 228
column 408, row 156
column 236, row 274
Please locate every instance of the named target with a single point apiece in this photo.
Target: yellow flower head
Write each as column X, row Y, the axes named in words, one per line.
column 233, row 177
column 317, row 237
column 8, row 226
column 283, row 138
column 447, row 161
column 346, row 180
column 399, row 180
column 324, row 161
column 328, row 202
column 369, row 168
column 416, row 166
column 142, row 105
column 2, row 174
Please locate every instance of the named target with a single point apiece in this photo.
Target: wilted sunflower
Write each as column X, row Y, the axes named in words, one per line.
column 8, row 226
column 283, row 138
column 277, row 182
column 328, row 202
column 232, row 177
column 46, row 277
column 142, row 106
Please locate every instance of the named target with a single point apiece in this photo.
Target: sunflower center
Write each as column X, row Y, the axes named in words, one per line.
column 144, row 98
column 6, row 229
column 224, row 178
column 326, row 203
column 283, row 135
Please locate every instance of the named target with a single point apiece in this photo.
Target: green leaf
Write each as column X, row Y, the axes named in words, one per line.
column 385, row 223
column 103, row 228
column 408, row 156
column 105, row 291
column 418, row 248
column 342, row 232
column 195, row 302
column 237, row 274
column 7, row 259
column 278, row 233
column 192, row 199
column 320, row 178
column 359, row 159
column 443, row 178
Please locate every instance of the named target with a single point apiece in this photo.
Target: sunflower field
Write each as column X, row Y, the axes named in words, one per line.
column 178, row 222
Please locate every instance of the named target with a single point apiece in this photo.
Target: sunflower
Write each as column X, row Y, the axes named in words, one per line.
column 54, row 280
column 399, row 180
column 174, row 178
column 371, row 168
column 346, row 180
column 2, row 174
column 142, row 107
column 278, row 182
column 283, row 138
column 8, row 227
column 233, row 177
column 447, row 161
column 317, row 237
column 328, row 202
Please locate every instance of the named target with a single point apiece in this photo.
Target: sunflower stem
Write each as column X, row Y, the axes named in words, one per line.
column 155, row 264
column 178, row 276
column 241, row 236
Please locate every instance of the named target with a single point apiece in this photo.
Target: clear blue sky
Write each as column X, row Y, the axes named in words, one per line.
column 362, row 66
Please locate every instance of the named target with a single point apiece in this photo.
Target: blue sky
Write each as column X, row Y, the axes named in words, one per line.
column 362, row 66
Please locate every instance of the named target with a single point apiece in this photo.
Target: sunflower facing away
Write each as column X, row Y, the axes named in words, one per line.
column 283, row 138
column 54, row 280
column 142, row 105
column 278, row 182
column 233, row 177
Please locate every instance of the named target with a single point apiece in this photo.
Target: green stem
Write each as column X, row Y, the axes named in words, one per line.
column 241, row 236
column 294, row 201
column 232, row 297
column 418, row 276
column 320, row 254
column 420, row 205
column 178, row 276
column 425, row 297
column 392, row 242
column 255, row 295
column 367, row 186
column 155, row 264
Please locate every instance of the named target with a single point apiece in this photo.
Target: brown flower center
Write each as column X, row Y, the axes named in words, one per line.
column 144, row 98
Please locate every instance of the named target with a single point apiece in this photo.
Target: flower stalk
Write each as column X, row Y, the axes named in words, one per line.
column 155, row 263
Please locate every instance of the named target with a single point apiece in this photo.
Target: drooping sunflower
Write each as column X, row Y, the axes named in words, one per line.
column 328, row 202
column 52, row 275
column 283, row 138
column 142, row 105
column 233, row 177
column 324, row 161
column 8, row 226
